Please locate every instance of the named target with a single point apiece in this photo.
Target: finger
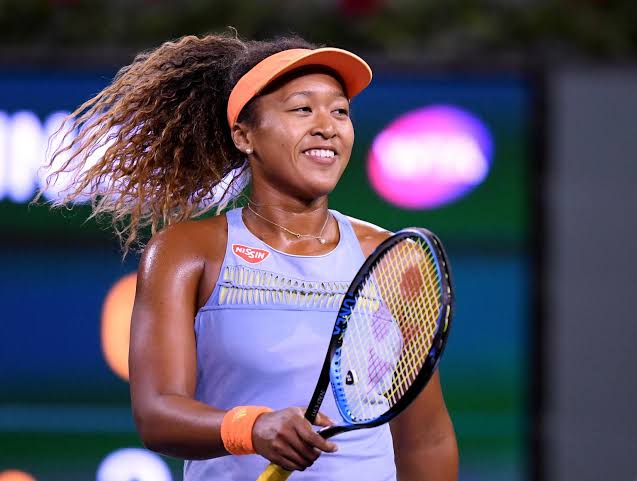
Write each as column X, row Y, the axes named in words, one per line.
column 299, row 454
column 314, row 439
column 323, row 420
column 285, row 463
column 292, row 461
column 305, row 450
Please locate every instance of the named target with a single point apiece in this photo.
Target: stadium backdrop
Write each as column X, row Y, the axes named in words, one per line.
column 62, row 410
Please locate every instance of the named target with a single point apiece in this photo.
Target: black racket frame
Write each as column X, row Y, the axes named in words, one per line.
column 348, row 303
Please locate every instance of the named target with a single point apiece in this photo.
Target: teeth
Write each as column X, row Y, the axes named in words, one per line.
column 320, row 153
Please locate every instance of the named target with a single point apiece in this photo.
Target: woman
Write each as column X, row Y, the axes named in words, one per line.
column 233, row 312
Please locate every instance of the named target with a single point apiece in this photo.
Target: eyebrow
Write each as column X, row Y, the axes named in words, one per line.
column 309, row 93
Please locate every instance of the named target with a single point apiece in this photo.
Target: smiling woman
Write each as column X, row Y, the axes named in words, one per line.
column 233, row 312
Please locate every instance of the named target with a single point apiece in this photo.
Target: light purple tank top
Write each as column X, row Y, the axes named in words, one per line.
column 261, row 340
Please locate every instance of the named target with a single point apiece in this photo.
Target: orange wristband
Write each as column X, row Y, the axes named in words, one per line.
column 236, row 428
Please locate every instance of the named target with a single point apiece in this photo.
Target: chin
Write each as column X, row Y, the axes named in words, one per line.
column 315, row 183
column 316, row 190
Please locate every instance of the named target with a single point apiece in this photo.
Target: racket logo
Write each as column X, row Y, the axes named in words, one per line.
column 342, row 318
column 252, row 255
column 343, row 315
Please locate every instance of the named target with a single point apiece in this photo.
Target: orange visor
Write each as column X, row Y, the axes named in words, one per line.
column 353, row 70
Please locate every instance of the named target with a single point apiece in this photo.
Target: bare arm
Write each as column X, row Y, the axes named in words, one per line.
column 425, row 444
column 162, row 354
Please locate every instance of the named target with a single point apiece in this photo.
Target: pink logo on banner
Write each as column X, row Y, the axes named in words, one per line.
column 430, row 157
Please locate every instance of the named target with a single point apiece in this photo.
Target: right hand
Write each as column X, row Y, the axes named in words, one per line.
column 288, row 440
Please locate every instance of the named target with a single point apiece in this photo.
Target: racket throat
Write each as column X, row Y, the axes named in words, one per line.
column 330, row 431
column 321, row 387
column 315, row 405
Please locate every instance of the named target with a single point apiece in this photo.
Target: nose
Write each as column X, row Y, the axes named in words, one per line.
column 324, row 125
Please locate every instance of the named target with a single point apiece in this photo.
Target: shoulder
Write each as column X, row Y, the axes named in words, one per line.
column 188, row 243
column 187, row 256
column 368, row 234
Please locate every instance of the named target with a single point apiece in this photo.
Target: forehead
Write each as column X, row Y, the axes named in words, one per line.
column 308, row 81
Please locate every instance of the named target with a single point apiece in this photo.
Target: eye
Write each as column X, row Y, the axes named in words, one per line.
column 302, row 109
column 342, row 111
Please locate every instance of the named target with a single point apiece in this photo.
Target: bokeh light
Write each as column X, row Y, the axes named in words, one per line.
column 430, row 157
column 15, row 475
column 133, row 464
column 116, row 319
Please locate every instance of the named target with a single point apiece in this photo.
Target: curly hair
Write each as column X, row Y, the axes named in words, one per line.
column 162, row 126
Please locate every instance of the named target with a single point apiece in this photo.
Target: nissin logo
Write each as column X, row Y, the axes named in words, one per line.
column 251, row 255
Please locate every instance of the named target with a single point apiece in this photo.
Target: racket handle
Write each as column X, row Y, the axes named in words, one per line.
column 274, row 473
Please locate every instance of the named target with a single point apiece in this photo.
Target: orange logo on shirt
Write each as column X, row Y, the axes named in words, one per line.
column 250, row 254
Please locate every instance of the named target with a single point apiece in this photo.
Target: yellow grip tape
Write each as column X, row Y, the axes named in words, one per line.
column 274, row 473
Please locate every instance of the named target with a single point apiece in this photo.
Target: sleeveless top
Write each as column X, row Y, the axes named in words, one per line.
column 261, row 340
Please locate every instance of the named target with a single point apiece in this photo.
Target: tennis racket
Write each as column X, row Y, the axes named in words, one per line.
column 390, row 332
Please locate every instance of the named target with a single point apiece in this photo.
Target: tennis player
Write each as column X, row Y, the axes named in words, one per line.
column 233, row 312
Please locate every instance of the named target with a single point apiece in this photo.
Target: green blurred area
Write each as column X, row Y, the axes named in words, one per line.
column 441, row 30
column 66, row 456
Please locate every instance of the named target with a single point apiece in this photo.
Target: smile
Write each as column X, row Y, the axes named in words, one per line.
column 322, row 153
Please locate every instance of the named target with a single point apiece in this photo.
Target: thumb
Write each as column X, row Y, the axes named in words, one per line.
column 323, row 420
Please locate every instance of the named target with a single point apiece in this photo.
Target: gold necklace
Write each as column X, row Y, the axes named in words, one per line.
column 319, row 237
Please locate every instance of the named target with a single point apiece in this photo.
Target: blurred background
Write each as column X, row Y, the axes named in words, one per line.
column 505, row 126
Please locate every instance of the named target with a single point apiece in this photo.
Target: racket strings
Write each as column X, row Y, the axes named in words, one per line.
column 391, row 332
column 416, row 308
column 365, row 357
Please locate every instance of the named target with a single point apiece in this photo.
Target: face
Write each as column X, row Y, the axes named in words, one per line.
column 303, row 138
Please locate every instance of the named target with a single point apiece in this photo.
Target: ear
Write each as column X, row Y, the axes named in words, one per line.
column 242, row 138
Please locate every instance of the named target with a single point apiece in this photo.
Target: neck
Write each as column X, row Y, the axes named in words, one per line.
column 297, row 223
column 285, row 220
column 293, row 212
column 278, row 200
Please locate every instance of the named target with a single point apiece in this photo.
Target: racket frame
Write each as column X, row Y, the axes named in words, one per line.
column 340, row 326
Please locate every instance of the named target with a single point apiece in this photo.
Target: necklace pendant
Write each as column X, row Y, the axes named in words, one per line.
column 321, row 240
